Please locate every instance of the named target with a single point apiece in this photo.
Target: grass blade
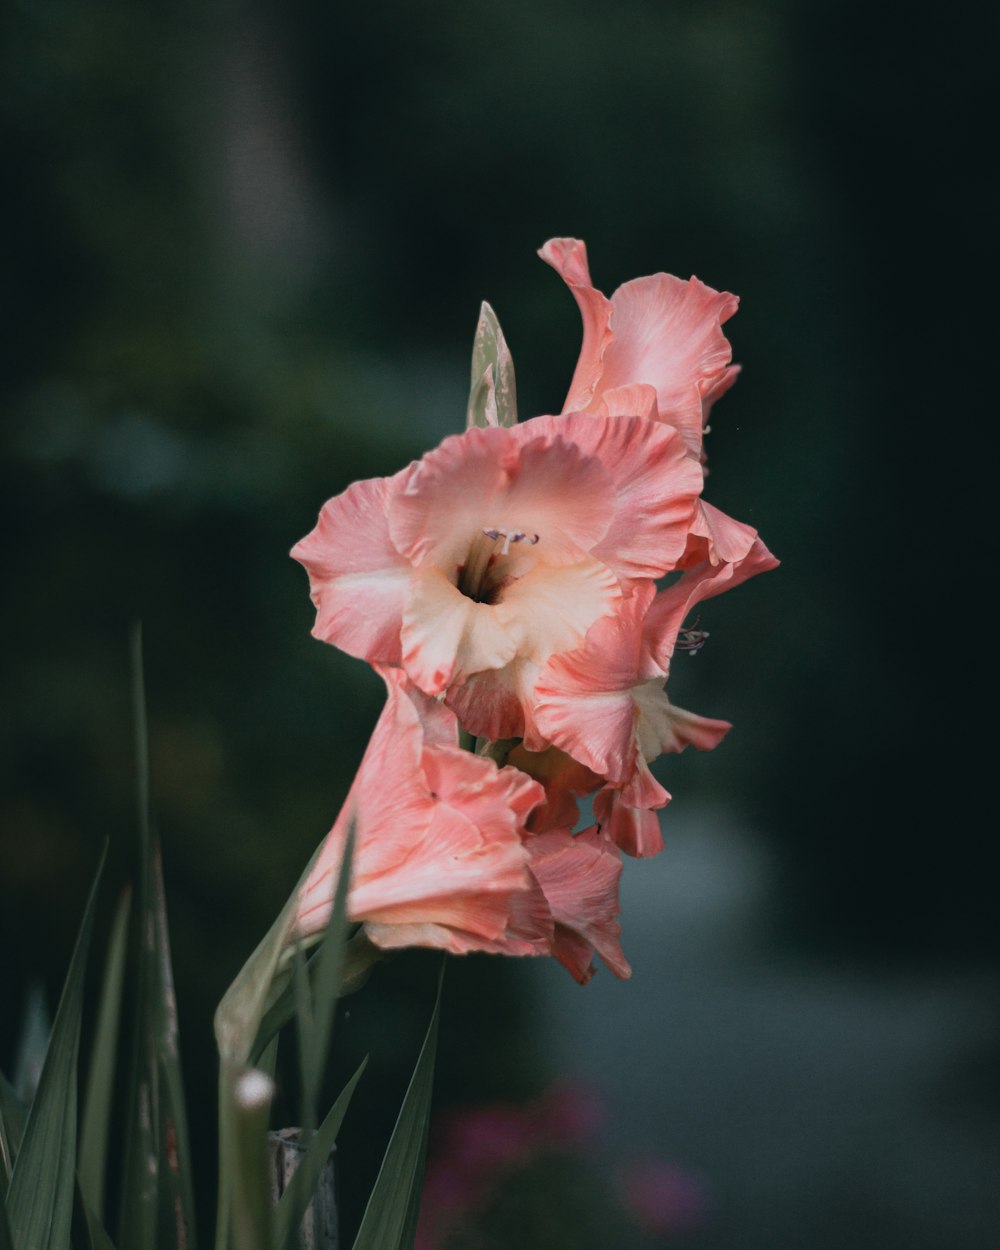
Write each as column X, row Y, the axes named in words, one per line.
column 6, row 1237
column 296, row 1198
column 390, row 1219
column 100, row 1079
column 157, row 1200
column 326, row 987
column 40, row 1198
column 13, row 1115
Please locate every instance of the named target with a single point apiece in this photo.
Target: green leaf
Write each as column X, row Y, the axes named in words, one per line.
column 40, row 1198
column 100, row 1079
column 32, row 1044
column 390, row 1219
column 493, row 393
column 13, row 1115
column 99, row 1239
column 157, row 1199
column 296, row 1198
column 329, row 964
column 6, row 1237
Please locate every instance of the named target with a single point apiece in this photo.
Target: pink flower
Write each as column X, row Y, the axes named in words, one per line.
column 439, row 857
column 476, row 565
column 655, row 348
column 442, row 857
column 604, row 703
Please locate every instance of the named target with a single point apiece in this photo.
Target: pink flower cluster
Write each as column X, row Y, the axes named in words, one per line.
column 507, row 584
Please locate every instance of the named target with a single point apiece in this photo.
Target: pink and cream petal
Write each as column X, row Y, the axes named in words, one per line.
column 550, row 610
column 656, row 487
column 358, row 578
column 526, row 479
column 446, row 636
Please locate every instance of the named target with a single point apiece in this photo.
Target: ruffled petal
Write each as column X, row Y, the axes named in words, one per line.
column 584, row 698
column 494, row 704
column 357, row 577
column 438, row 833
column 635, row 830
column 580, row 876
column 528, row 479
column 551, row 609
column 668, row 333
column 568, row 257
column 656, row 488
column 701, row 581
column 446, row 636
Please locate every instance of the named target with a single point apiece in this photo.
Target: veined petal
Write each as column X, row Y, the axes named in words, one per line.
column 565, row 780
column 635, row 830
column 527, row 478
column 439, row 834
column 636, row 400
column 656, row 487
column 357, row 577
column 584, row 698
column 668, row 333
column 579, row 876
column 568, row 257
column 493, row 704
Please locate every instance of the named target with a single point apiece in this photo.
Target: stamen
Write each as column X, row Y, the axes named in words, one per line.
column 510, row 536
column 692, row 639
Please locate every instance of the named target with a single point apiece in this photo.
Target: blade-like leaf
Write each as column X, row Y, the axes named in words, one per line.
column 32, row 1044
column 99, row 1239
column 40, row 1198
column 13, row 1115
column 100, row 1079
column 157, row 1201
column 390, row 1219
column 88, row 1230
column 6, row 1237
column 296, row 1198
column 326, row 985
column 492, row 394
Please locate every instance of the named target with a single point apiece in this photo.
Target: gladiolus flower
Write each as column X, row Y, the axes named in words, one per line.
column 497, row 551
column 442, row 857
column 655, row 348
column 439, row 858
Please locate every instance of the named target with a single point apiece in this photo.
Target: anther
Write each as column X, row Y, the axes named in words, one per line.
column 510, row 536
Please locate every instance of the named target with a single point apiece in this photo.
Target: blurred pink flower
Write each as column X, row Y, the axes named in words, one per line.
column 476, row 1148
column 661, row 1196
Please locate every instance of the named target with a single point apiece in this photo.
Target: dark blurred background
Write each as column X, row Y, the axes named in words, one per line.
column 246, row 246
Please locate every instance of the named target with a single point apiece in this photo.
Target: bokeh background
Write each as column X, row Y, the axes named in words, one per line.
column 246, row 248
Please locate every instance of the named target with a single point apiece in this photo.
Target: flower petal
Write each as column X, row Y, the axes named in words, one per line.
column 656, row 487
column 447, row 636
column 568, row 257
column 579, row 876
column 528, row 478
column 357, row 577
column 668, row 333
